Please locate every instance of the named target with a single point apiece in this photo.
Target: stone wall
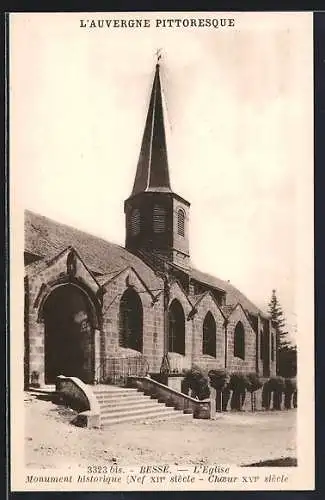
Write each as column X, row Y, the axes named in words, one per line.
column 176, row 292
column 38, row 287
column 35, row 334
column 106, row 334
column 208, row 304
column 180, row 243
column 153, row 314
column 236, row 364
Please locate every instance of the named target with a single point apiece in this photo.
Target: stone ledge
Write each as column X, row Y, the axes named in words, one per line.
column 87, row 419
column 80, row 397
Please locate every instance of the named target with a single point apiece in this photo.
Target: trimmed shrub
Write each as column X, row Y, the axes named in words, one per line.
column 197, row 381
column 238, row 384
column 289, row 390
column 266, row 396
column 219, row 380
column 225, row 398
column 290, row 384
column 277, row 386
column 254, row 383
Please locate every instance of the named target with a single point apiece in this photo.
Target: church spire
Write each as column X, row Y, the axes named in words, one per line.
column 152, row 170
column 156, row 218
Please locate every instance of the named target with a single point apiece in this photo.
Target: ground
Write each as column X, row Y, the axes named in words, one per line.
column 234, row 438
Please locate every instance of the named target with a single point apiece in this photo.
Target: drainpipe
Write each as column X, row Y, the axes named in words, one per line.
column 226, row 342
column 166, row 303
column 258, row 345
column 27, row 378
column 164, row 369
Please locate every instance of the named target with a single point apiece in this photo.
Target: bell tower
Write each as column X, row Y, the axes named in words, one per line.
column 157, row 219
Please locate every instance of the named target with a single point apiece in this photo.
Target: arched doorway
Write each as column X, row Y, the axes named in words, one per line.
column 209, row 335
column 69, row 334
column 176, row 330
column 131, row 321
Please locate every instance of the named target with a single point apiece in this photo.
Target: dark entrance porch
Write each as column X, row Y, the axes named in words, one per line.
column 69, row 334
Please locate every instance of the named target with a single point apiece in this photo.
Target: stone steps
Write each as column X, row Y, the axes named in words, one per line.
column 126, row 397
column 144, row 415
column 119, row 405
column 112, row 406
column 123, row 400
column 120, row 393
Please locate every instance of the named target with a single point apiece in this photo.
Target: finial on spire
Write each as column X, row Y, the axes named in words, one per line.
column 158, row 55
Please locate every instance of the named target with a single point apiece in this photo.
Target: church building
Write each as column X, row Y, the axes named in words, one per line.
column 99, row 311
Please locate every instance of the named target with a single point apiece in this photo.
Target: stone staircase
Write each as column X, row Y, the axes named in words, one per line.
column 118, row 404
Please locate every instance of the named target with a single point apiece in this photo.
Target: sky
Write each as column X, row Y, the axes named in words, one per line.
column 239, row 118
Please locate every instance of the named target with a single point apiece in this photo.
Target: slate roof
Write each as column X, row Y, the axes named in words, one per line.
column 233, row 295
column 46, row 238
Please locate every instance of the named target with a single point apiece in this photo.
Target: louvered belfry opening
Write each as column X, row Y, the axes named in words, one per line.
column 131, row 321
column 135, row 221
column 176, row 331
column 181, row 222
column 159, row 219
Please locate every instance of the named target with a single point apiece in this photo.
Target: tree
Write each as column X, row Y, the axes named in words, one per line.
column 286, row 358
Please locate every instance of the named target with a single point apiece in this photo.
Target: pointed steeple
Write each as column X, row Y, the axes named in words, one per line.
column 152, row 170
column 156, row 218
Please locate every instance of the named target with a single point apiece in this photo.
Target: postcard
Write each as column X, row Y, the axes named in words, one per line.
column 161, row 251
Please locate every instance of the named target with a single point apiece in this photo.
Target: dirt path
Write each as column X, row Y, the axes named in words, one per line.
column 51, row 441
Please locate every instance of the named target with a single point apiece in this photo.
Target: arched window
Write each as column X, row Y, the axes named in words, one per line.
column 131, row 321
column 209, row 335
column 181, row 222
column 135, row 221
column 159, row 219
column 176, row 330
column 239, row 341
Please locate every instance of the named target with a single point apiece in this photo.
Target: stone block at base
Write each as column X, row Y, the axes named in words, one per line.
column 87, row 419
column 202, row 411
column 175, row 382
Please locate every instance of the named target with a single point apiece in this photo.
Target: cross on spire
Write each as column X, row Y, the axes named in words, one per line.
column 158, row 55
